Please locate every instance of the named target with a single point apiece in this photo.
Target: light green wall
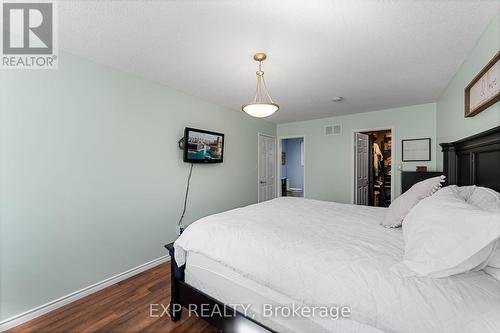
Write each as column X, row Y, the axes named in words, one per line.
column 451, row 123
column 329, row 159
column 92, row 181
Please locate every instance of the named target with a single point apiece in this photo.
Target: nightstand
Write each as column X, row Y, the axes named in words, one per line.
column 410, row 178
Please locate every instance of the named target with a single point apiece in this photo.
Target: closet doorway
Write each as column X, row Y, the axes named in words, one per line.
column 291, row 166
column 373, row 167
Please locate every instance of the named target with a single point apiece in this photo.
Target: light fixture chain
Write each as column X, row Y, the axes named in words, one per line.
column 265, row 89
column 258, row 91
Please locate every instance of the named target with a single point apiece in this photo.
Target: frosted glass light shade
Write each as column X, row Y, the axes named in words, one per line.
column 260, row 110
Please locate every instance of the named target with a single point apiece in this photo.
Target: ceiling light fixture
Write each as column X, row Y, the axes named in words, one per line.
column 262, row 104
column 338, row 99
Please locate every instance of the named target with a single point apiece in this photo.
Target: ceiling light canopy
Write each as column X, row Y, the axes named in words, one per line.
column 262, row 104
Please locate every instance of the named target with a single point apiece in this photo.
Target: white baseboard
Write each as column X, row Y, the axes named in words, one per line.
column 57, row 303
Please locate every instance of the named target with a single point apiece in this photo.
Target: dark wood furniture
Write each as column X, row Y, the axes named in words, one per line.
column 474, row 160
column 410, row 178
column 223, row 317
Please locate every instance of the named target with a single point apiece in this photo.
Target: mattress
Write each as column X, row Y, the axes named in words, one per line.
column 230, row 287
column 326, row 253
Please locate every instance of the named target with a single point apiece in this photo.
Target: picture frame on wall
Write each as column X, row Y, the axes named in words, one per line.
column 416, row 150
column 484, row 90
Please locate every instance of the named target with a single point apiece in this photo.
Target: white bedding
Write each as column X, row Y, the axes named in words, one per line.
column 229, row 287
column 323, row 253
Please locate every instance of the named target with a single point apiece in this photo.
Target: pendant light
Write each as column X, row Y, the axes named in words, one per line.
column 262, row 104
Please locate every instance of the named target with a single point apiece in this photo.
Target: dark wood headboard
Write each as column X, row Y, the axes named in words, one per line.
column 474, row 160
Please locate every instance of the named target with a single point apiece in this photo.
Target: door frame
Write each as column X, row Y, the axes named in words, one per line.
column 259, row 134
column 353, row 158
column 278, row 160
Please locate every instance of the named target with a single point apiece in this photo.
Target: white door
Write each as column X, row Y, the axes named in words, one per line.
column 267, row 167
column 362, row 150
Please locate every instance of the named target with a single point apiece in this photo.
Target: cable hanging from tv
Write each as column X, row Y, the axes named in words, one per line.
column 199, row 146
column 180, row 226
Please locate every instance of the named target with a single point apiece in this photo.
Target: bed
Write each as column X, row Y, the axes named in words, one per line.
column 310, row 253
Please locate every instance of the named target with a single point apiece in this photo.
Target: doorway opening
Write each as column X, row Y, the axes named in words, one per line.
column 373, row 168
column 292, row 166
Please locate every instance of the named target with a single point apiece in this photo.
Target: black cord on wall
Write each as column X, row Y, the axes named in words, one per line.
column 180, row 227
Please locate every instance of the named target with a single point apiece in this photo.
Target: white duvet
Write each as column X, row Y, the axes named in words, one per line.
column 324, row 253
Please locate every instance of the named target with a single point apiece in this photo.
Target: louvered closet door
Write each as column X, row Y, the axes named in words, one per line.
column 362, row 150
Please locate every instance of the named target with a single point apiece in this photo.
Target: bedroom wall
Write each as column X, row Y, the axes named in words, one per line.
column 92, row 181
column 329, row 159
column 451, row 123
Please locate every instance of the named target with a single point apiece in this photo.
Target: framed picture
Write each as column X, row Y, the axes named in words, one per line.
column 416, row 150
column 484, row 90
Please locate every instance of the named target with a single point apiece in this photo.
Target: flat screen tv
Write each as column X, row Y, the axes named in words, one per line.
column 202, row 146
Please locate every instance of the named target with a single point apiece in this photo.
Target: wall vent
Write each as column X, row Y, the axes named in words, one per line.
column 333, row 129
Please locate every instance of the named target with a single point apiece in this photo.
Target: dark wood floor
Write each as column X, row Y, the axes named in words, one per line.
column 122, row 307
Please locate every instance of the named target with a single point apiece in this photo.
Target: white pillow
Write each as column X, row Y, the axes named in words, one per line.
column 495, row 272
column 494, row 260
column 465, row 191
column 405, row 202
column 485, row 198
column 444, row 235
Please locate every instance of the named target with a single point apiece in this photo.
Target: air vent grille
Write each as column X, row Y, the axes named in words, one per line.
column 333, row 130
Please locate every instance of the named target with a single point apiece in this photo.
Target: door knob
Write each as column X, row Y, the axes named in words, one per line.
column 263, row 182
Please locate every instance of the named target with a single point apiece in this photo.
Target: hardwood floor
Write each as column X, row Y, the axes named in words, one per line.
column 122, row 307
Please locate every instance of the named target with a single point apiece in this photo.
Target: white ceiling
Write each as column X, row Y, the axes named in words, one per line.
column 376, row 54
